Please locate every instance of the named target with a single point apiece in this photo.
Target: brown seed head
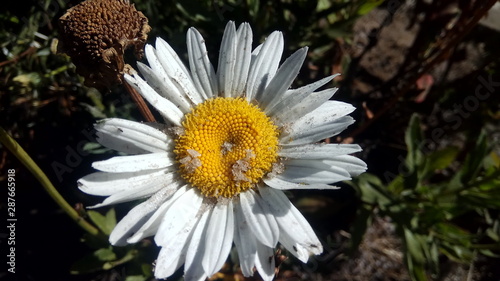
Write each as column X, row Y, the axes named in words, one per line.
column 95, row 34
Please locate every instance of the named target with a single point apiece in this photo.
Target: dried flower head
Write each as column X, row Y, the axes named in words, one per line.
column 95, row 35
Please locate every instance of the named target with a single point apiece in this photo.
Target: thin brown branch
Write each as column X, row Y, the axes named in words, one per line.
column 143, row 107
column 29, row 51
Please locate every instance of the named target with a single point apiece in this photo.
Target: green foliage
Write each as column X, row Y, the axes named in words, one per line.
column 105, row 223
column 136, row 278
column 367, row 6
column 427, row 212
column 105, row 257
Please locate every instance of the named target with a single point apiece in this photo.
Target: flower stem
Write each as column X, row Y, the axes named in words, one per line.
column 26, row 160
column 139, row 101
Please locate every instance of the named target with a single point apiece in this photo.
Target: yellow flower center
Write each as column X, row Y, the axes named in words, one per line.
column 227, row 146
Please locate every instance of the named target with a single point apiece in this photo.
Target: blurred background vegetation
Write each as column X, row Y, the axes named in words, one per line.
column 423, row 75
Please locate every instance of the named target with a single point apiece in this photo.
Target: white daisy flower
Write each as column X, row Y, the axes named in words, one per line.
column 232, row 141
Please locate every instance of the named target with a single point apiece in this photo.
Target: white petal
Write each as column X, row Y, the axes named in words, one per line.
column 282, row 80
column 169, row 54
column 195, row 252
column 296, row 249
column 165, row 107
column 171, row 257
column 278, row 182
column 243, row 59
column 151, row 226
column 298, row 102
column 135, row 163
column 308, row 105
column 174, row 232
column 180, row 217
column 203, row 72
column 158, row 79
column 327, row 120
column 227, row 60
column 136, row 217
column 255, row 53
column 219, row 237
column 353, row 165
column 258, row 214
column 130, row 223
column 318, row 151
column 105, row 184
column 313, row 171
column 245, row 241
column 139, row 192
column 170, row 90
column 264, row 262
column 130, row 137
column 177, row 71
column 153, row 130
column 264, row 65
column 295, row 232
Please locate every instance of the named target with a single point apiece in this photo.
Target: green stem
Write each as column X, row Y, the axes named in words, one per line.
column 128, row 257
column 26, row 160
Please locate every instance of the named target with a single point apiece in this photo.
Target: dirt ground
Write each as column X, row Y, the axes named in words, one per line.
column 383, row 39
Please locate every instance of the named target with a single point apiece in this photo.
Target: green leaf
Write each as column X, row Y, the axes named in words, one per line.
column 452, row 234
column 95, row 148
column 43, row 52
column 130, row 255
column 489, row 253
column 431, row 213
column 27, row 80
column 414, row 140
column 105, row 254
column 439, row 160
column 433, row 259
column 493, row 235
column 414, row 247
column 413, row 174
column 105, row 223
column 147, row 269
column 372, row 190
column 454, row 242
column 368, row 6
column 456, row 253
column 93, row 262
column 492, row 161
column 473, row 161
column 95, row 241
column 418, row 253
column 323, row 5
column 490, row 182
column 14, row 19
column 253, row 7
column 484, row 195
column 93, row 110
column 416, row 270
column 396, row 186
column 494, row 232
column 364, row 218
column 96, row 98
column 136, row 278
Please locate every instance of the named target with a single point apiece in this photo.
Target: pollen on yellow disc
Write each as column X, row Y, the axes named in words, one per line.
column 227, row 146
